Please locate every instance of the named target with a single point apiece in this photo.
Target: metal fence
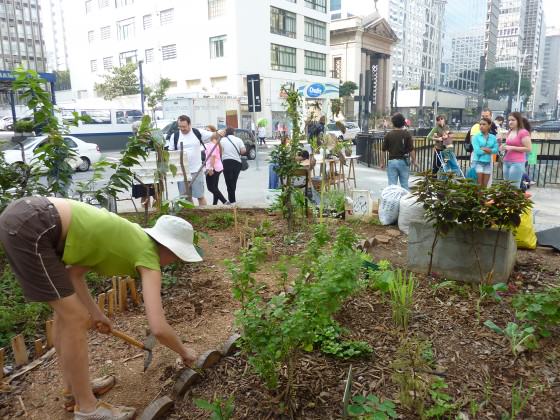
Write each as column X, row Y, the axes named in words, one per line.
column 545, row 172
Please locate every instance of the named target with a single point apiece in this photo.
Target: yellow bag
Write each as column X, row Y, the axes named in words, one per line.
column 525, row 235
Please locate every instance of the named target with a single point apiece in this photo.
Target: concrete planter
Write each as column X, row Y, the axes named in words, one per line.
column 454, row 255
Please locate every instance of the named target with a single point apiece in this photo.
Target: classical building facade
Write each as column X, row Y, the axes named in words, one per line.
column 361, row 49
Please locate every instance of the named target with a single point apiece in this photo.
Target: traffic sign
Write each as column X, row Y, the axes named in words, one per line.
column 254, row 92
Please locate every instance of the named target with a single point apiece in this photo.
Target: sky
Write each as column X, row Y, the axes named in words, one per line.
column 551, row 11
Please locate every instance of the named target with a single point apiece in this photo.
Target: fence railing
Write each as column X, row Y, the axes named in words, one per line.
column 546, row 170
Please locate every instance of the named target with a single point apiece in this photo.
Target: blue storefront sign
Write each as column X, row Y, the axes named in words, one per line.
column 319, row 90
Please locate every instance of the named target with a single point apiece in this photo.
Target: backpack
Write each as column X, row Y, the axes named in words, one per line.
column 198, row 136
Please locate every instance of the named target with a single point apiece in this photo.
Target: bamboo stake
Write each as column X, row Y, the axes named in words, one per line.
column 111, row 299
column 101, row 302
column 235, row 218
column 133, row 292
column 114, row 283
column 38, row 348
column 50, row 333
column 20, row 352
column 122, row 295
column 1, row 363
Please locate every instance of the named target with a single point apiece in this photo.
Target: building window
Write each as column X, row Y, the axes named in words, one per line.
column 282, row 22
column 147, row 21
column 149, row 55
column 121, row 3
column 128, row 57
column 216, row 8
column 315, row 31
column 320, row 5
column 282, row 58
column 166, row 17
column 217, row 46
column 125, row 29
column 93, row 65
column 90, row 36
column 89, row 6
column 315, row 63
column 169, row 52
column 105, row 32
column 107, row 63
column 336, row 5
column 103, row 3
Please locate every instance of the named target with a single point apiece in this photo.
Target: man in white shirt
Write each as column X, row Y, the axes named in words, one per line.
column 261, row 132
column 192, row 147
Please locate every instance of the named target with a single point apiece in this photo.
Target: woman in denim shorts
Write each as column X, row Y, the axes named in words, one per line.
column 484, row 145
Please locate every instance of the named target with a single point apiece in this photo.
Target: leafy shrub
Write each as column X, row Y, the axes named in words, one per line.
column 540, row 309
column 371, row 408
column 519, row 337
column 23, row 126
column 330, row 342
column 220, row 409
column 220, row 221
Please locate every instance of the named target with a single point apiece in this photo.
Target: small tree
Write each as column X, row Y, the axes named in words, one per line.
column 155, row 95
column 346, row 91
column 120, row 81
column 500, row 82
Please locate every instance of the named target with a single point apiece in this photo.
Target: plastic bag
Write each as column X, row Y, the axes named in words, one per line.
column 389, row 205
column 409, row 210
column 525, row 235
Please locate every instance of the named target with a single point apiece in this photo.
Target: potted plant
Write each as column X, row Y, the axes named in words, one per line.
column 24, row 128
column 469, row 231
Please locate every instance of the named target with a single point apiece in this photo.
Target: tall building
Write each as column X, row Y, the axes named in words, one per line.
column 22, row 39
column 511, row 30
column 533, row 43
column 547, row 94
column 206, row 47
column 417, row 23
column 54, row 33
column 469, row 42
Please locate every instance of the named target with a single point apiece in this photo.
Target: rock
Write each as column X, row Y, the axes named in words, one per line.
column 208, row 359
column 231, row 345
column 393, row 232
column 187, row 379
column 158, row 409
column 382, row 239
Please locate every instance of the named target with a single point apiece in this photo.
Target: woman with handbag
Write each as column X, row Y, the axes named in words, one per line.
column 214, row 169
column 233, row 161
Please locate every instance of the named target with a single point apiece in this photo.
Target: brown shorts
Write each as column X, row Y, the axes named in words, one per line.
column 30, row 230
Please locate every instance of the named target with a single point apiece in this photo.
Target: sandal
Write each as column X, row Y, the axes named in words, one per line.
column 106, row 411
column 99, row 386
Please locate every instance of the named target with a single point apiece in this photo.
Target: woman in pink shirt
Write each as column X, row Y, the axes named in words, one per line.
column 516, row 147
column 214, row 168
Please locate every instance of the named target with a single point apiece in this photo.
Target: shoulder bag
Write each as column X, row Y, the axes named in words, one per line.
column 244, row 163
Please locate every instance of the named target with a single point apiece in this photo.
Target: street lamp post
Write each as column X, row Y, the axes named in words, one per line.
column 441, row 7
column 141, row 84
column 520, row 67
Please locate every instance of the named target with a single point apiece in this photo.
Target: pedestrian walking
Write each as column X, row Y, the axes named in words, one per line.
column 485, row 146
column 214, row 168
column 262, row 134
column 516, row 148
column 52, row 243
column 400, row 146
column 233, row 147
column 194, row 143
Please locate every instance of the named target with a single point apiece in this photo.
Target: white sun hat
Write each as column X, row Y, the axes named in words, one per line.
column 176, row 234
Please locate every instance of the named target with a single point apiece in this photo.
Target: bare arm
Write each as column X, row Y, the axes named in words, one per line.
column 151, row 290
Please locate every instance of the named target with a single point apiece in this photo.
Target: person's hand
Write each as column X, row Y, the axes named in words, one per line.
column 188, row 357
column 382, row 166
column 210, row 171
column 486, row 150
column 222, row 132
column 101, row 323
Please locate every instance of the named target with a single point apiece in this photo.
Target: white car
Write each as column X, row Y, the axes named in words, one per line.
column 86, row 153
column 352, row 129
column 5, row 122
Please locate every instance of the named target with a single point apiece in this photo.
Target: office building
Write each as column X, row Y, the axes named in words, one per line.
column 54, row 34
column 22, row 37
column 206, row 47
column 547, row 94
column 533, row 44
column 511, row 30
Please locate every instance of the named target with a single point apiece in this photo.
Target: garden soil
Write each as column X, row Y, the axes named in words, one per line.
column 475, row 362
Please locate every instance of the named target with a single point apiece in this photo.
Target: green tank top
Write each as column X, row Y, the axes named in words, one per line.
column 106, row 243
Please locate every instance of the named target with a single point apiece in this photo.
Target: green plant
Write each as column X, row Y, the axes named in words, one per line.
column 451, row 203
column 329, row 340
column 23, row 126
column 334, row 201
column 265, row 229
column 519, row 399
column 401, row 290
column 488, row 291
column 220, row 409
column 540, row 309
column 520, row 337
column 442, row 403
column 371, row 407
column 220, row 221
column 381, row 278
column 120, row 81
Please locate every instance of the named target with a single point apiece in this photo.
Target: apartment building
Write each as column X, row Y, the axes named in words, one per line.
column 54, row 34
column 533, row 44
column 547, row 93
column 22, row 39
column 206, row 47
column 511, row 30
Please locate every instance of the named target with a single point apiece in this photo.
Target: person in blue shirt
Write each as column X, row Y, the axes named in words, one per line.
column 484, row 145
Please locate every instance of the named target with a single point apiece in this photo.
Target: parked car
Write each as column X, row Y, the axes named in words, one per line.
column 548, row 127
column 352, row 130
column 246, row 135
column 6, row 122
column 86, row 153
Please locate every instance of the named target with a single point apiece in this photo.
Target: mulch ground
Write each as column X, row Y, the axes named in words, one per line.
column 476, row 363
